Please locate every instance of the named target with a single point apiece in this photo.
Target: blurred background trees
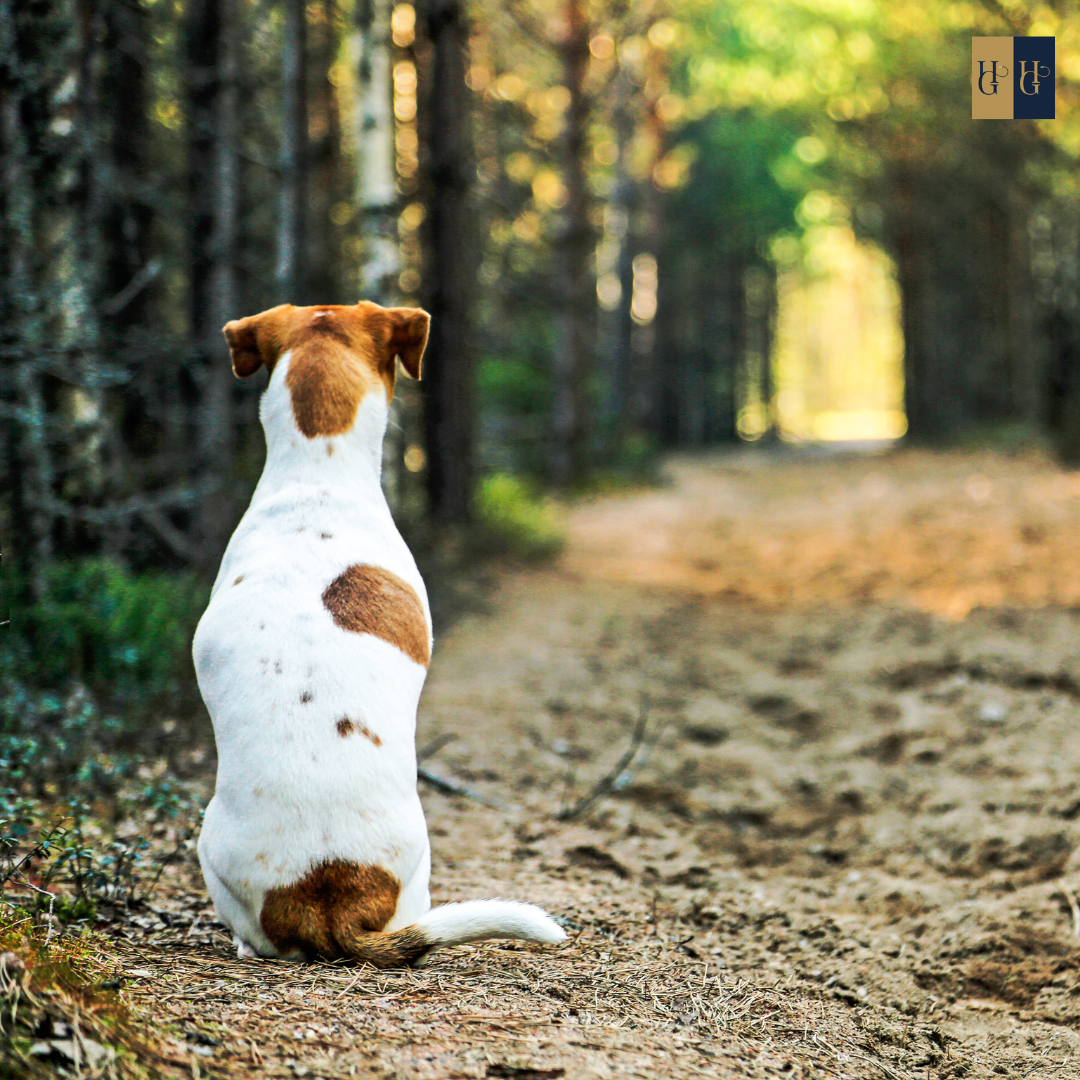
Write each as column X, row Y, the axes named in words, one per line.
column 638, row 224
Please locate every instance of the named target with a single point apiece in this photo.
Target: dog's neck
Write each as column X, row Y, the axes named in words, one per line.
column 352, row 459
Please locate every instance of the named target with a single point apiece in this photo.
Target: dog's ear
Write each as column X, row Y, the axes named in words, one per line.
column 403, row 332
column 255, row 341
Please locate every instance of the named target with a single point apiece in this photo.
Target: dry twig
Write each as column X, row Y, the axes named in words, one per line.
column 452, row 787
column 609, row 782
column 1074, row 907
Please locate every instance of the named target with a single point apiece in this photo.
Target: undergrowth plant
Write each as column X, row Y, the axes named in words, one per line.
column 519, row 519
column 63, row 1010
column 86, row 672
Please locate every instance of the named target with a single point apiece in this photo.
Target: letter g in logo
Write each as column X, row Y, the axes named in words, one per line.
column 1031, row 67
column 992, row 71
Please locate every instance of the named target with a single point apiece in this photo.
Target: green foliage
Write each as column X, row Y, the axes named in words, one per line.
column 79, row 673
column 69, row 865
column 517, row 518
column 124, row 635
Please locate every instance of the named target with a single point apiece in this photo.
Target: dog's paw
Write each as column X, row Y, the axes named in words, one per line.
column 243, row 950
column 422, row 959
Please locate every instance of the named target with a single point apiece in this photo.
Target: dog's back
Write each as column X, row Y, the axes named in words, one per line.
column 311, row 657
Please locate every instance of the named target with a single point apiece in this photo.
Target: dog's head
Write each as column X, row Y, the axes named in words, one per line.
column 339, row 355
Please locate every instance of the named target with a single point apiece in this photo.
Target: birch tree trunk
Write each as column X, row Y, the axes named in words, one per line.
column 376, row 182
column 448, row 378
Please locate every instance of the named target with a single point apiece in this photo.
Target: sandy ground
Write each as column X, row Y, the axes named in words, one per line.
column 844, row 847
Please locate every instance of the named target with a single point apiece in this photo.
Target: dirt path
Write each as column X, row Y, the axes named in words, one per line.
column 845, row 848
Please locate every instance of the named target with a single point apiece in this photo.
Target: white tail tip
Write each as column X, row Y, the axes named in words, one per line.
column 480, row 920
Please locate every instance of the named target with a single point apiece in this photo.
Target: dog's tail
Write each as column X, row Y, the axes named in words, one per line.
column 455, row 924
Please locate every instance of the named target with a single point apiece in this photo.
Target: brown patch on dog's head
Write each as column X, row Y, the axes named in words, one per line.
column 371, row 600
column 340, row 353
column 346, row 727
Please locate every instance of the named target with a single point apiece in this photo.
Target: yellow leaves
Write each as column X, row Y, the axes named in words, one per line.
column 549, row 190
column 860, row 47
column 669, row 109
column 632, row 51
column 342, row 213
column 167, row 113
column 411, row 218
column 816, row 207
column 520, row 167
column 749, row 84
column 557, row 99
column 819, row 40
column 663, row 33
column 405, row 91
column 602, row 46
column 510, row 87
column 609, row 291
column 789, row 88
column 528, row 227
column 606, row 152
column 673, row 169
column 909, row 19
column 810, row 150
column 643, row 298
column 478, row 77
column 403, row 25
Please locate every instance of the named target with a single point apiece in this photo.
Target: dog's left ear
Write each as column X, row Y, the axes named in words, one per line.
column 406, row 334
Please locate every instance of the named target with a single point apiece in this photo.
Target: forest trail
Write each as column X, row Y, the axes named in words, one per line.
column 843, row 849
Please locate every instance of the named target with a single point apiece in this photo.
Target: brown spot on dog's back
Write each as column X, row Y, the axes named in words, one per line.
column 338, row 910
column 346, row 727
column 239, row 579
column 371, row 600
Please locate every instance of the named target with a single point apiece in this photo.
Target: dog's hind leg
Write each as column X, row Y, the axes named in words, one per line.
column 248, row 936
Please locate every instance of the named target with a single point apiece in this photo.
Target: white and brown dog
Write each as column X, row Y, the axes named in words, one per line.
column 311, row 656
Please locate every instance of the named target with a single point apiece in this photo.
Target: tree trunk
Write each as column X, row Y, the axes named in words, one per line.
column 213, row 102
column 376, row 184
column 289, row 273
column 324, row 263
column 619, row 263
column 575, row 288
column 449, row 268
column 36, row 52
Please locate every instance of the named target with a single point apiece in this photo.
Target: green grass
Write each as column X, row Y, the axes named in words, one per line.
column 517, row 519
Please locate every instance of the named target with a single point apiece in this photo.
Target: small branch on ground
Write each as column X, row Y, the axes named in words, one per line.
column 452, row 787
column 1074, row 908
column 433, row 747
column 613, row 780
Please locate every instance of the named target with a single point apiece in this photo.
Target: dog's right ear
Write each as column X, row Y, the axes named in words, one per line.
column 255, row 341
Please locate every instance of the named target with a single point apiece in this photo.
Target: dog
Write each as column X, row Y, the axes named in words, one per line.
column 311, row 656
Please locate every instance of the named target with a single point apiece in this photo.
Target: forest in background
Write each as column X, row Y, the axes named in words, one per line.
column 602, row 204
